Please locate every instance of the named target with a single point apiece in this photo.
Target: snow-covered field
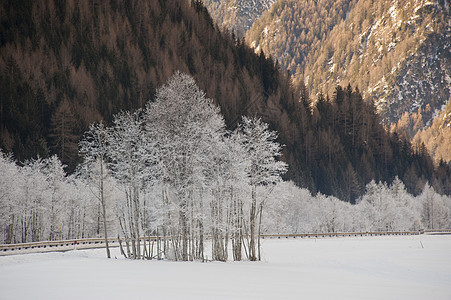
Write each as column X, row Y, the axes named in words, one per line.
column 401, row 267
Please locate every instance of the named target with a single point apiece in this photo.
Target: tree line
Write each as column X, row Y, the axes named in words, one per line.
column 382, row 208
column 170, row 170
column 174, row 171
column 344, row 145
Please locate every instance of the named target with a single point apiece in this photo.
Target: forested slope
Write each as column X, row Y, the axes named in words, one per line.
column 65, row 64
column 291, row 30
column 237, row 15
column 396, row 52
column 437, row 137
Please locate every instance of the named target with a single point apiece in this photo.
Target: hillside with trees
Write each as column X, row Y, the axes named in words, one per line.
column 437, row 137
column 67, row 64
column 237, row 15
column 290, row 30
column 396, row 52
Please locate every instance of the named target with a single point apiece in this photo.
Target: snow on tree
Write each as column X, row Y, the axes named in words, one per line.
column 292, row 210
column 406, row 216
column 80, row 211
column 55, row 203
column 33, row 200
column 435, row 214
column 35, row 190
column 9, row 181
column 189, row 129
column 228, row 181
column 94, row 149
column 264, row 170
column 174, row 171
column 333, row 215
column 234, row 182
column 385, row 208
column 382, row 208
column 131, row 161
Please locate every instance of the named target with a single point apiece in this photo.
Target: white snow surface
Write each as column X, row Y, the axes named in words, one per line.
column 396, row 267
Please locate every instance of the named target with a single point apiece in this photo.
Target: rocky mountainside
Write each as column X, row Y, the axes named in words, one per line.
column 423, row 80
column 237, row 15
column 291, row 29
column 397, row 52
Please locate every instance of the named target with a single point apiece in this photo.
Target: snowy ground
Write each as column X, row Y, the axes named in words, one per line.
column 406, row 267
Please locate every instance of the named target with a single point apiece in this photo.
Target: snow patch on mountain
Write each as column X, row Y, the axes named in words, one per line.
column 237, row 15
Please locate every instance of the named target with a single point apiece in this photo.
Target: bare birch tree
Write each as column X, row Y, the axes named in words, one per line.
column 188, row 128
column 132, row 162
column 94, row 149
column 264, row 169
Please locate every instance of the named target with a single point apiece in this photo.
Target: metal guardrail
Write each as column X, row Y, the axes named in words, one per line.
column 50, row 246
column 62, row 245
column 355, row 234
column 339, row 234
column 93, row 243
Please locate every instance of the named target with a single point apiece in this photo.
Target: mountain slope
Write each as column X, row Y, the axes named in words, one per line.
column 437, row 137
column 65, row 64
column 237, row 15
column 397, row 52
column 292, row 29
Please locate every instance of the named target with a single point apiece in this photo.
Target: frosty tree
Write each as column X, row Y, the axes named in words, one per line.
column 388, row 208
column 189, row 130
column 55, row 175
column 173, row 171
column 34, row 191
column 132, row 161
column 93, row 148
column 230, row 192
column 8, row 193
column 435, row 214
column 264, row 170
